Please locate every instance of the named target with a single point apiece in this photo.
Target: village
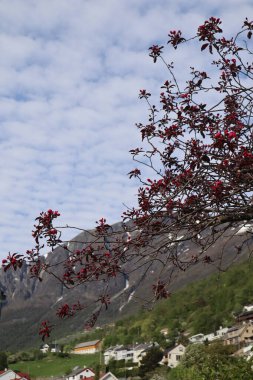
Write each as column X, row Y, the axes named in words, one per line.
column 240, row 336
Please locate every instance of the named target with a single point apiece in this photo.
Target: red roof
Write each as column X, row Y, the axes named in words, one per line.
column 23, row 374
column 19, row 374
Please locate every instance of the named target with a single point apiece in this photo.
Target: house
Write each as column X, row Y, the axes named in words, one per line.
column 44, row 348
column 50, row 348
column 121, row 352
column 239, row 335
column 174, row 355
column 198, row 338
column 108, row 376
column 108, row 355
column 140, row 350
column 55, row 347
column 9, row 374
column 134, row 353
column 87, row 347
column 246, row 315
column 219, row 334
column 118, row 353
column 81, row 374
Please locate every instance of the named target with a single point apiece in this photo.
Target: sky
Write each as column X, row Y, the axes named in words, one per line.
column 70, row 74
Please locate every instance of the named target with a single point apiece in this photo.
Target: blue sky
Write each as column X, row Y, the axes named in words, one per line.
column 70, row 73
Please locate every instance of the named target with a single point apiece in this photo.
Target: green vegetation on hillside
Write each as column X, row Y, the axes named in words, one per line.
column 198, row 308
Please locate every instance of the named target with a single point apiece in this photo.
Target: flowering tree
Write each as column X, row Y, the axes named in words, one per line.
column 198, row 147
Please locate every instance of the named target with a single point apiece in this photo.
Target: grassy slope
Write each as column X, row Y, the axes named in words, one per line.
column 55, row 366
column 200, row 307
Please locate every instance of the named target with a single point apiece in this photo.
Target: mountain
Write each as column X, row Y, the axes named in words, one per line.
column 29, row 301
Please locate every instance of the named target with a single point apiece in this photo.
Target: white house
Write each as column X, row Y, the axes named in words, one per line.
column 201, row 338
column 209, row 337
column 134, row 354
column 50, row 348
column 123, row 353
column 198, row 338
column 140, row 350
column 81, row 374
column 9, row 374
column 175, row 355
column 44, row 348
column 108, row 355
column 108, row 376
column 221, row 332
column 118, row 353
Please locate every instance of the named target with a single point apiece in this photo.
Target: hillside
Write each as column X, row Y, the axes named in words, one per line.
column 199, row 307
column 203, row 307
column 19, row 326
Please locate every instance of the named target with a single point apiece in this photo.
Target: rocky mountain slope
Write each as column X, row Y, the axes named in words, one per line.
column 29, row 301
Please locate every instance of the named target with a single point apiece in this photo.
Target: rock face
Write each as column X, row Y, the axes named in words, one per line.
column 29, row 301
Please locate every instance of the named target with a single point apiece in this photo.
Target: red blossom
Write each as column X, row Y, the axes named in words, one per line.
column 155, row 52
column 134, row 173
column 102, row 226
column 66, row 311
column 45, row 330
column 144, row 94
column 13, row 261
column 175, row 38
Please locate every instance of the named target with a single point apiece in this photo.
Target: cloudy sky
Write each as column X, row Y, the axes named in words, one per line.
column 70, row 73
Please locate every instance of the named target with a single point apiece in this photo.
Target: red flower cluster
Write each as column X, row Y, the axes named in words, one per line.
column 45, row 330
column 175, row 38
column 45, row 229
column 207, row 31
column 155, row 51
column 102, row 226
column 68, row 311
column 13, row 261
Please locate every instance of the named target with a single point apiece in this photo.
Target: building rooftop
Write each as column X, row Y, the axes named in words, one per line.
column 86, row 344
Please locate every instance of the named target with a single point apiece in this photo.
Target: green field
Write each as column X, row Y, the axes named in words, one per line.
column 55, row 366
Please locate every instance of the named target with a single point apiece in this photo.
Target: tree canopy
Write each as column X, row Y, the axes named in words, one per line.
column 210, row 363
column 197, row 146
